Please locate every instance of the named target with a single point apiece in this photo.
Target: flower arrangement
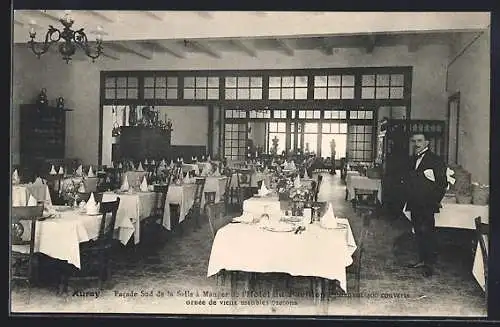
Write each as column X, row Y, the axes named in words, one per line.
column 69, row 190
column 284, row 184
column 301, row 194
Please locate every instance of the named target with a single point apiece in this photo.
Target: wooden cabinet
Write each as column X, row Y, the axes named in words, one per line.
column 43, row 134
column 139, row 143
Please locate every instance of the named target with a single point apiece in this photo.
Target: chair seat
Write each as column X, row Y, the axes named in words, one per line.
column 21, row 248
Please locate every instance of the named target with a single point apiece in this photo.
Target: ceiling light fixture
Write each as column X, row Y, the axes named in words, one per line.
column 69, row 38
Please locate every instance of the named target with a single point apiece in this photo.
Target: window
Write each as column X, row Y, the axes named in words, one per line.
column 311, row 137
column 287, row 87
column 201, row 88
column 259, row 114
column 382, row 86
column 309, row 114
column 235, row 136
column 361, row 114
column 334, row 87
column 338, row 132
column 277, row 131
column 360, row 143
column 235, row 113
column 279, row 114
column 335, row 114
column 243, row 88
column 121, row 88
column 160, row 87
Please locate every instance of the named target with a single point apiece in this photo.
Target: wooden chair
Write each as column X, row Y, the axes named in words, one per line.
column 227, row 191
column 95, row 254
column 22, row 247
column 365, row 200
column 195, row 211
column 355, row 268
column 316, row 190
column 482, row 235
column 244, row 185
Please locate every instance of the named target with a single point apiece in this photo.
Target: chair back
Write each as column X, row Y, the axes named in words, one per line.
column 216, row 217
column 107, row 226
column 318, row 185
column 360, row 244
column 482, row 235
column 85, row 196
column 19, row 214
column 198, row 193
column 365, row 199
column 244, row 178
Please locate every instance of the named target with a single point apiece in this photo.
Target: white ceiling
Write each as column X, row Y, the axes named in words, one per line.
column 178, row 33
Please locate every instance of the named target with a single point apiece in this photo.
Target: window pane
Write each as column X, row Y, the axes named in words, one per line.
column 228, row 114
column 149, row 93
column 110, row 82
column 342, row 114
column 316, row 114
column 396, row 92
column 343, row 128
column 230, row 94
column 368, row 93
column 369, row 115
column 325, row 128
column 309, row 114
column 274, row 94
column 353, row 115
column 160, row 93
column 230, row 82
column 397, row 80
column 243, row 81
column 189, row 94
column 256, row 81
column 243, row 94
column 255, row 94
column 148, row 81
column 201, row 82
column 287, row 81
column 253, row 114
column 310, row 127
column 171, row 93
column 213, row 94
column 121, row 93
column 336, row 114
column 334, row 80
column 320, row 93
column 328, row 114
column 274, row 81
column 160, row 81
column 287, row 93
column 110, row 93
column 368, row 80
column 382, row 93
column 282, row 127
column 301, row 93
column 301, row 81
column 347, row 93
column 201, row 94
column 320, row 80
column 347, row 80
column 121, row 82
column 302, row 114
column 188, row 81
column 333, row 93
column 172, row 81
column 213, row 82
column 383, row 80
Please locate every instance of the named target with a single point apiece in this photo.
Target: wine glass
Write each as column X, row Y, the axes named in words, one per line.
column 316, row 208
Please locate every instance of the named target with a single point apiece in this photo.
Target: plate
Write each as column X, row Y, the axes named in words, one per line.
column 339, row 226
column 292, row 219
column 279, row 228
column 93, row 214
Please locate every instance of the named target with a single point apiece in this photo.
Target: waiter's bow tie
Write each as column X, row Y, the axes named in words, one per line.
column 419, row 155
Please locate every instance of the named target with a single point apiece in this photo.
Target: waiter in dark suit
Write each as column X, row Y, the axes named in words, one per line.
column 426, row 185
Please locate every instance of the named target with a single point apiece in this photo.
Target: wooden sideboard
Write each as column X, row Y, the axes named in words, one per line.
column 139, row 143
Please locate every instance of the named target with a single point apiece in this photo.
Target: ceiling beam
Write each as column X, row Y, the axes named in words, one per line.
column 131, row 48
column 244, row 47
column 204, row 47
column 282, row 44
column 159, row 46
column 370, row 43
column 326, row 46
column 152, row 14
column 99, row 14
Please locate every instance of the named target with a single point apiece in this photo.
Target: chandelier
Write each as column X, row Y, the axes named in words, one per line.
column 71, row 40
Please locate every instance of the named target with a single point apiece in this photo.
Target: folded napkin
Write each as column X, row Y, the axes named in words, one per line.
column 263, row 191
column 187, row 179
column 91, row 172
column 208, row 158
column 449, row 174
column 182, row 159
column 61, row 170
column 196, row 158
column 140, row 167
column 153, row 162
column 38, row 181
column 92, row 206
column 306, row 175
column 146, row 161
column 120, row 166
column 291, row 165
column 329, row 220
column 79, row 171
column 144, row 185
column 81, row 189
column 53, row 170
column 171, row 163
column 15, row 177
column 112, row 165
column 163, row 162
column 217, row 172
column 296, row 182
column 32, row 201
column 205, row 171
column 246, row 217
column 125, row 186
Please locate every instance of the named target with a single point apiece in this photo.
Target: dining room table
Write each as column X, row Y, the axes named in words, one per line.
column 356, row 181
column 256, row 246
column 178, row 194
column 22, row 192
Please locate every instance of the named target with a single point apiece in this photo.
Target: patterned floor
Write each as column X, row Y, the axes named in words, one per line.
column 166, row 271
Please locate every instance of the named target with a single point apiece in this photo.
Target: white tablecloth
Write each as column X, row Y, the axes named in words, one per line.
column 455, row 215
column 257, row 206
column 362, row 182
column 315, row 252
column 190, row 167
column 22, row 192
column 133, row 208
column 134, row 178
column 60, row 237
column 183, row 195
column 204, row 165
